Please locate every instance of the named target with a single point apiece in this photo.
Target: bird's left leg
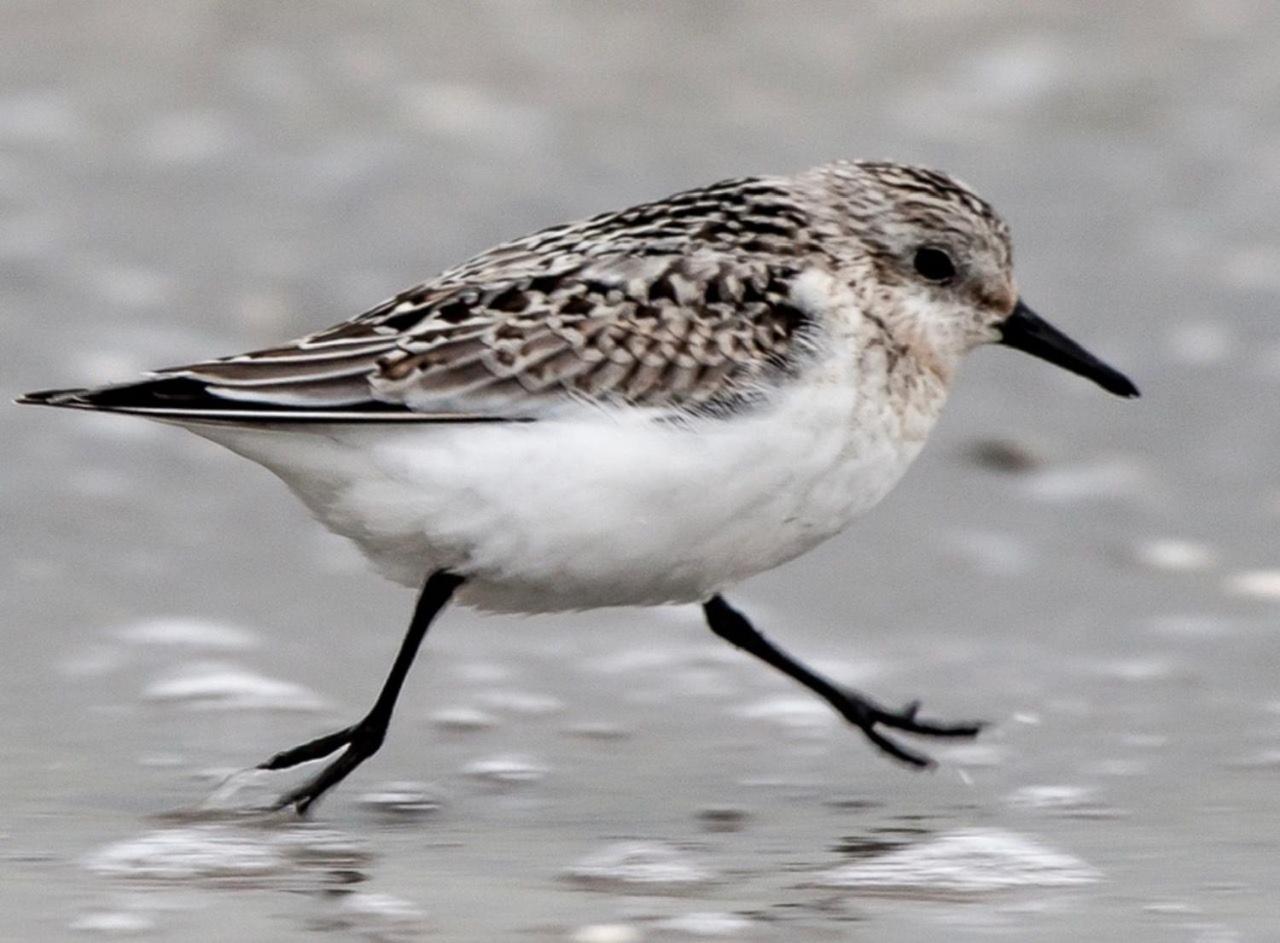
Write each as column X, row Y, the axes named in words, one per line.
column 858, row 709
column 363, row 738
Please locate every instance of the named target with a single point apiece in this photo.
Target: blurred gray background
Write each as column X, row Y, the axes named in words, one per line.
column 1102, row 578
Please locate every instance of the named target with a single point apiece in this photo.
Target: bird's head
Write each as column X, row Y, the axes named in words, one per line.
column 943, row 266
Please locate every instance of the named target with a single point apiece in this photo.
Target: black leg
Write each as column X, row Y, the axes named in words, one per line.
column 363, row 739
column 859, row 710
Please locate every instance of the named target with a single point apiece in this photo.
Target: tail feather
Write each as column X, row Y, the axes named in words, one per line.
column 166, row 393
column 188, row 399
column 51, row 397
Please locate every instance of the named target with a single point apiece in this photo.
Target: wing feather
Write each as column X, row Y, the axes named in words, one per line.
column 663, row 305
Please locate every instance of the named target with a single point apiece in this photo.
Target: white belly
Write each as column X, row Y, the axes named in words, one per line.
column 596, row 509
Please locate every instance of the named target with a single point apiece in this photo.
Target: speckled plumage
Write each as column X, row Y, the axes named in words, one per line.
column 707, row 386
column 681, row 303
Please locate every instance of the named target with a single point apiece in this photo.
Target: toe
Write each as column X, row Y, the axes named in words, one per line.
column 908, row 721
column 897, row 750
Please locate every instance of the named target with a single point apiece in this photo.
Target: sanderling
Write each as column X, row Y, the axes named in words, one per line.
column 644, row 407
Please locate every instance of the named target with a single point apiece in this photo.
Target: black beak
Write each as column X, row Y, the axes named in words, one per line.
column 1027, row 331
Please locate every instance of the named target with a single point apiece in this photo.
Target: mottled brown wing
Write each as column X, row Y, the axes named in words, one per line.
column 698, row 330
column 681, row 303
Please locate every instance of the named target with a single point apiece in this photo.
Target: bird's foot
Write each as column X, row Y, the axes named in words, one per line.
column 867, row 716
column 361, row 741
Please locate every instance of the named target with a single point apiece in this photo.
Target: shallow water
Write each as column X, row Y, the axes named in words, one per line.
column 1100, row 578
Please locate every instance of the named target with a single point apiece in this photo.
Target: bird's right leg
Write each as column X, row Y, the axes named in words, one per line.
column 858, row 709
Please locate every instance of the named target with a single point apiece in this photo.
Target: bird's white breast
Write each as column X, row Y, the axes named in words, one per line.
column 604, row 507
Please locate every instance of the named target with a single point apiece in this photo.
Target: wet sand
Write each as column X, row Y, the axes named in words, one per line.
column 1099, row 578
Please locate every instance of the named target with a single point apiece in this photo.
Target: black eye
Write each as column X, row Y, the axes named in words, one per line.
column 934, row 264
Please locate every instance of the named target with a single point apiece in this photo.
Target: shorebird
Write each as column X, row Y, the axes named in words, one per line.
column 641, row 408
